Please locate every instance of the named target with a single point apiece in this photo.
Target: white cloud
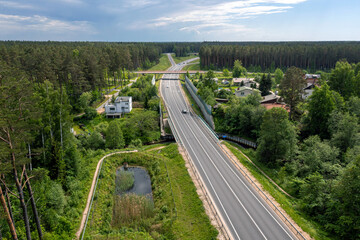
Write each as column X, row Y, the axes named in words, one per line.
column 36, row 23
column 221, row 17
column 16, row 5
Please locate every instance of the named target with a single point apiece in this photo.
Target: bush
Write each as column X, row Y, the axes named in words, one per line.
column 90, row 113
column 124, row 181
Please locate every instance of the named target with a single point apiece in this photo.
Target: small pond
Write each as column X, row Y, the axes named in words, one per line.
column 142, row 182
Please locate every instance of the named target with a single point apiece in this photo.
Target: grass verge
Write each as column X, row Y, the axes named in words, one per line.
column 181, row 59
column 192, row 67
column 288, row 204
column 163, row 64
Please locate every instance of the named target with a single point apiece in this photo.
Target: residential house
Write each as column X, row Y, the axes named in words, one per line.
column 121, row 106
column 245, row 91
column 312, row 78
column 271, row 98
column 248, row 82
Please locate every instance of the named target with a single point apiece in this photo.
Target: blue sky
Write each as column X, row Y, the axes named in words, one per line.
column 182, row 20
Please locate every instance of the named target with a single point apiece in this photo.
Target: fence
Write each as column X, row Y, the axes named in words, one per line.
column 237, row 139
column 205, row 108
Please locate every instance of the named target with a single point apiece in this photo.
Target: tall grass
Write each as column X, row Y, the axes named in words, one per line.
column 124, row 181
column 130, row 208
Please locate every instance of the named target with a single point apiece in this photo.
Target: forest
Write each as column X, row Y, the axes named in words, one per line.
column 257, row 57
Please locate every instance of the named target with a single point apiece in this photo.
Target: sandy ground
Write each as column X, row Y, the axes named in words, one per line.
column 289, row 219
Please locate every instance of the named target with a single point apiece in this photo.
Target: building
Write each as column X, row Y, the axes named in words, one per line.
column 312, row 78
column 245, row 91
column 248, row 82
column 121, row 106
column 271, row 98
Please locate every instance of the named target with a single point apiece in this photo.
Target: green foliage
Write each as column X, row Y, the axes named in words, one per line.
column 114, row 135
column 124, row 180
column 90, row 113
column 226, row 72
column 292, row 88
column 321, row 104
column 346, row 203
column 277, row 142
column 242, row 117
column 85, row 100
column 136, row 143
column 238, row 69
column 345, row 130
column 143, row 125
column 95, row 141
column 342, row 79
column 279, row 75
column 265, row 84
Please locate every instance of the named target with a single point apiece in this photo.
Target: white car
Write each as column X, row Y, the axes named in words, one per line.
column 184, row 111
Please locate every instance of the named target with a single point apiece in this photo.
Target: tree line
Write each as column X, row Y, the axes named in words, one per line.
column 269, row 56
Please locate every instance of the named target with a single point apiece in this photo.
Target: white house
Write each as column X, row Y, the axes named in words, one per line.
column 121, row 106
column 245, row 91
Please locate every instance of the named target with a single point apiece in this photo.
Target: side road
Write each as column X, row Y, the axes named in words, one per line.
column 92, row 191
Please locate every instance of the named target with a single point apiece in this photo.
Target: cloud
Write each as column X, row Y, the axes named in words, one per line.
column 219, row 17
column 16, row 5
column 36, row 23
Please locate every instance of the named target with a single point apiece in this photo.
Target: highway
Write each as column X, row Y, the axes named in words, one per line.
column 243, row 211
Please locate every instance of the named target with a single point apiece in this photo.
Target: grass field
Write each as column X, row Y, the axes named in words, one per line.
column 287, row 203
column 163, row 64
column 178, row 211
column 192, row 67
column 181, row 59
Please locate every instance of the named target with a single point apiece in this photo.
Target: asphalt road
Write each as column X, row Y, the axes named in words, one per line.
column 245, row 213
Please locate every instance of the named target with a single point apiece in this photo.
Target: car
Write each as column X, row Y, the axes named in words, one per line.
column 184, row 111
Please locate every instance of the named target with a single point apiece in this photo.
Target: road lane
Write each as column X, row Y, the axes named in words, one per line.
column 246, row 215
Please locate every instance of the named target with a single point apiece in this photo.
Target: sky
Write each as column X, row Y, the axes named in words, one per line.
column 183, row 20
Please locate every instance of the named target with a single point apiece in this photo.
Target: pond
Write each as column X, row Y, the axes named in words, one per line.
column 142, row 182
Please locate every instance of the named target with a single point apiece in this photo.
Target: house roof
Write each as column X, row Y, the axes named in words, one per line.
column 239, row 80
column 312, row 76
column 270, row 98
column 123, row 99
column 269, row 106
column 243, row 88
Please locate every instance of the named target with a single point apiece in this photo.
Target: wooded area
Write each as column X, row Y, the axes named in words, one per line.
column 258, row 56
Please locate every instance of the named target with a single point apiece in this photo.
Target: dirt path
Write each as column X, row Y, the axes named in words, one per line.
column 242, row 168
column 92, row 188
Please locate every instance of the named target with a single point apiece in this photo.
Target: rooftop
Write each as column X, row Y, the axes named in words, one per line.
column 123, row 99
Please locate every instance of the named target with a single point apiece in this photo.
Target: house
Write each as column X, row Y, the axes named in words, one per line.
column 308, row 90
column 121, row 106
column 248, row 82
column 271, row 98
column 245, row 91
column 312, row 78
